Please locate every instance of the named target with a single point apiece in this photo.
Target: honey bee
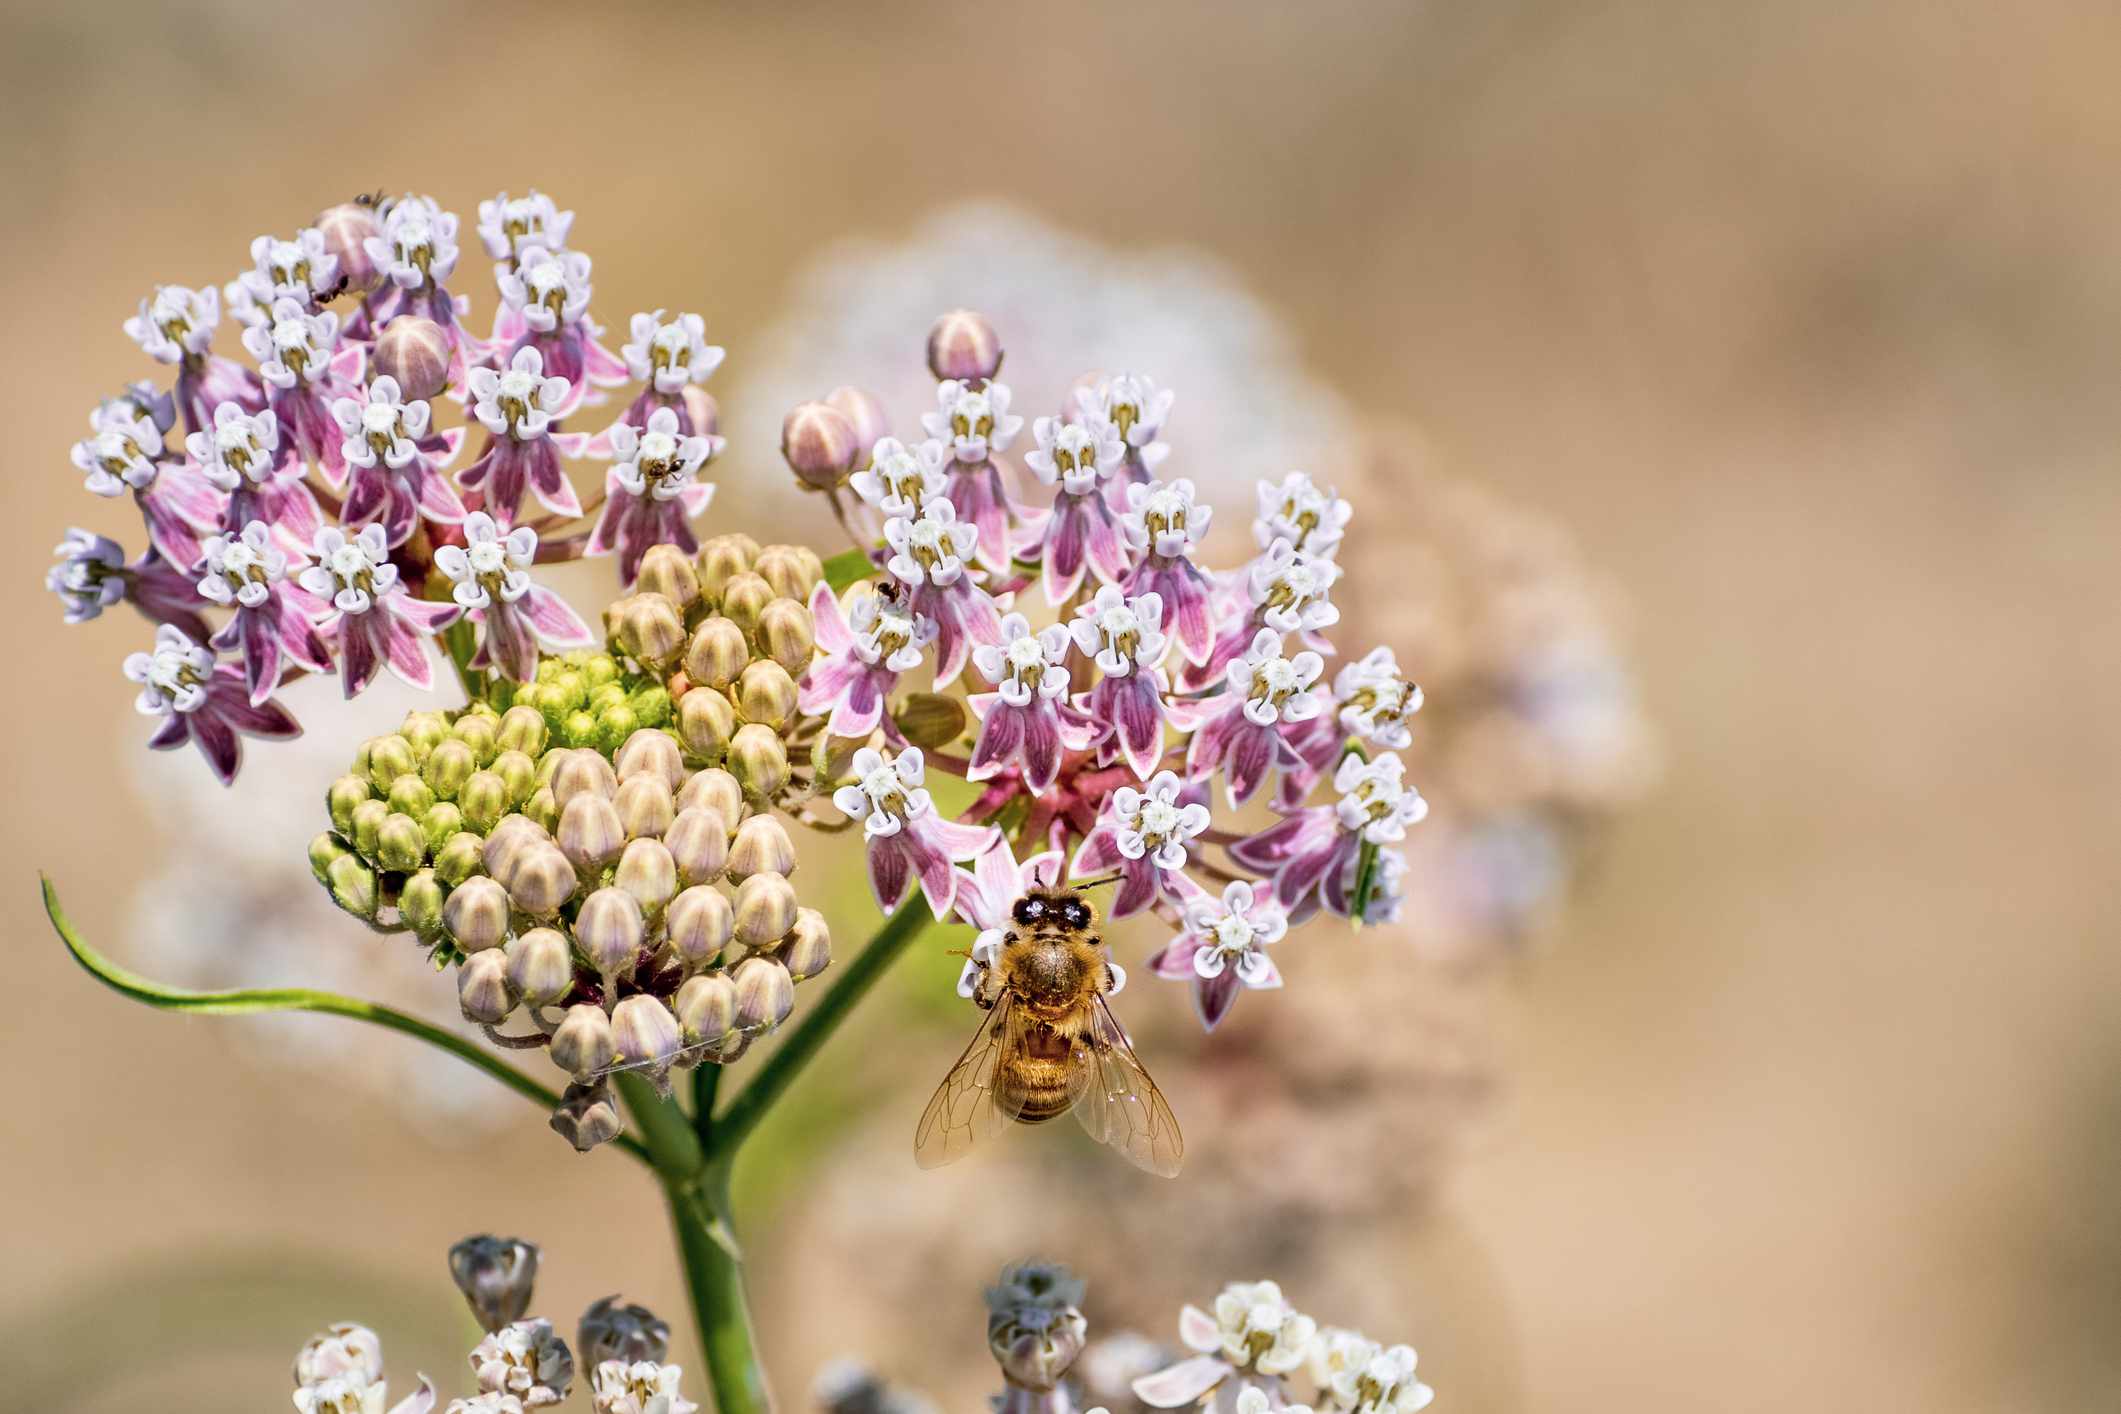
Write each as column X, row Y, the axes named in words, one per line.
column 1050, row 1044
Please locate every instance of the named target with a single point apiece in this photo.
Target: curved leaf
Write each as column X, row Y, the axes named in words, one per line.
column 846, row 567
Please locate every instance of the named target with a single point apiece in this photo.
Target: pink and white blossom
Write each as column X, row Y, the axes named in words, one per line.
column 1376, row 699
column 908, row 839
column 899, row 480
column 176, row 325
column 306, row 370
column 1123, row 638
column 202, row 701
column 973, row 424
column 490, row 573
column 395, row 479
column 241, row 457
column 1146, row 835
column 1242, row 732
column 1254, row 1339
column 1222, row 950
column 301, row 270
column 1311, row 518
column 1164, row 524
column 377, row 623
column 652, row 491
column 548, row 292
column 1312, row 855
column 928, row 557
column 510, row 225
column 864, row 652
column 274, row 623
column 1134, row 406
column 517, row 405
column 1081, row 532
column 176, row 501
column 1027, row 720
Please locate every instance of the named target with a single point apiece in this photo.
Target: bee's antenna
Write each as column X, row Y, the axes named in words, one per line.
column 1097, row 883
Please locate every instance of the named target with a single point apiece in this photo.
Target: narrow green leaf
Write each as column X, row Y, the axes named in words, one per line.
column 846, row 567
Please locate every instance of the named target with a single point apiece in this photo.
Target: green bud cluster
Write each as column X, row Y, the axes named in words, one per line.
column 594, row 700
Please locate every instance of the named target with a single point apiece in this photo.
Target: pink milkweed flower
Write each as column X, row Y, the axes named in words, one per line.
column 1311, row 855
column 377, row 622
column 176, row 325
column 176, row 501
column 306, row 369
column 864, row 653
column 275, row 618
column 1253, row 1341
column 1136, row 408
column 1027, row 719
column 1147, row 836
column 491, row 572
column 91, row 575
column 415, row 252
column 1081, row 531
column 651, row 494
column 1290, row 591
column 1123, row 638
column 899, row 480
column 549, row 291
column 301, row 270
column 908, row 838
column 395, row 481
column 202, row 701
column 974, row 423
column 241, row 456
column 1311, row 518
column 928, row 554
column 1376, row 699
column 987, row 893
column 670, row 355
column 516, row 406
column 1222, row 950
column 509, row 226
column 1164, row 524
column 1244, row 737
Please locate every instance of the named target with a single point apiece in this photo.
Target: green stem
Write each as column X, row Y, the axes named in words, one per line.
column 735, row 1124
column 263, row 999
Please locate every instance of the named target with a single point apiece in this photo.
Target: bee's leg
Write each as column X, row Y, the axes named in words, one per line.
column 987, row 991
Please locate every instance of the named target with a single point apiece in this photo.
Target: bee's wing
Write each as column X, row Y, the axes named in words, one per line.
column 964, row 1107
column 1116, row 1101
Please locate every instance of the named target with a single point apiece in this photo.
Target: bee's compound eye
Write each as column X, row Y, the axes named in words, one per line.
column 1030, row 910
column 1076, row 915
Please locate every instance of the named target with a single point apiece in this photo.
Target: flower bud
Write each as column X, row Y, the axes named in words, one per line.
column 346, row 793
column 701, row 408
column 409, row 795
column 416, row 352
column 647, row 871
column 782, row 566
column 643, row 1030
column 652, row 753
column 522, row 729
column 326, row 850
column 807, row 951
column 484, row 799
column 496, row 1275
column 346, row 229
column 650, row 628
column 765, row 910
column 699, row 923
column 422, row 730
column 442, row 823
column 586, row 1116
column 964, row 346
column 706, row 1008
column 744, row 598
column 761, row 846
column 706, row 721
column 342, row 1349
column 714, row 790
column 583, row 1046
column 541, row 880
column 401, row 845
column 504, row 844
column 540, row 966
column 353, row 886
column 482, row 988
column 698, row 842
column 368, row 818
column 766, row 694
column 723, row 559
column 644, row 805
column 543, row 809
column 819, row 445
column 864, row 414
column 717, row 652
column 759, row 759
column 479, row 732
column 667, row 571
column 448, row 767
column 477, row 914
column 931, row 720
column 609, row 930
column 420, row 904
column 517, row 771
column 580, row 772
column 787, row 633
column 460, row 857
column 389, row 757
column 600, row 668
column 591, row 833
column 629, row 1334
column 765, row 994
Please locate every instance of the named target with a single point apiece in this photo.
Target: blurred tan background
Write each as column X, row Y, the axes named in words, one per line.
column 1801, row 316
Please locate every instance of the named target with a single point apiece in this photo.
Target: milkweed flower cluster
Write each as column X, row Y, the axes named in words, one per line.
column 521, row 1363
column 1052, row 629
column 305, row 512
column 1253, row 1343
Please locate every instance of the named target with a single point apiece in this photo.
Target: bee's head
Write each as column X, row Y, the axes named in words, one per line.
column 1066, row 909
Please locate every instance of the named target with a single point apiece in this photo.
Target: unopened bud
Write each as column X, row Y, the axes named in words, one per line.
column 964, row 346
column 401, row 845
column 782, row 567
column 346, row 793
column 654, row 753
column 590, row 833
column 761, row 846
column 864, row 414
column 341, row 1349
column 442, row 823
column 540, row 966
column 645, row 806
column 744, row 598
column 583, row 1046
column 644, row 1031
column 389, row 757
column 766, row 694
column 448, row 767
column 347, row 229
column 543, row 808
column 587, row 1117
column 541, row 880
column 420, row 904
column 477, row 914
column 629, row 1334
column 765, row 910
column 505, row 843
column 699, row 923
column 479, row 732
column 368, row 818
column 765, row 994
column 819, row 445
column 807, row 950
column 706, row 1008
column 714, row 790
column 667, row 572
column 698, row 842
column 649, row 627
column 706, row 721
column 522, row 729
column 787, row 633
column 496, row 1275
column 482, row 988
column 517, row 771
column 717, row 652
column 416, row 352
column 326, row 850
column 647, row 871
column 409, row 795
column 759, row 759
column 931, row 720
column 460, row 857
column 483, row 799
column 722, row 559
column 579, row 772
column 353, row 886
column 609, row 930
